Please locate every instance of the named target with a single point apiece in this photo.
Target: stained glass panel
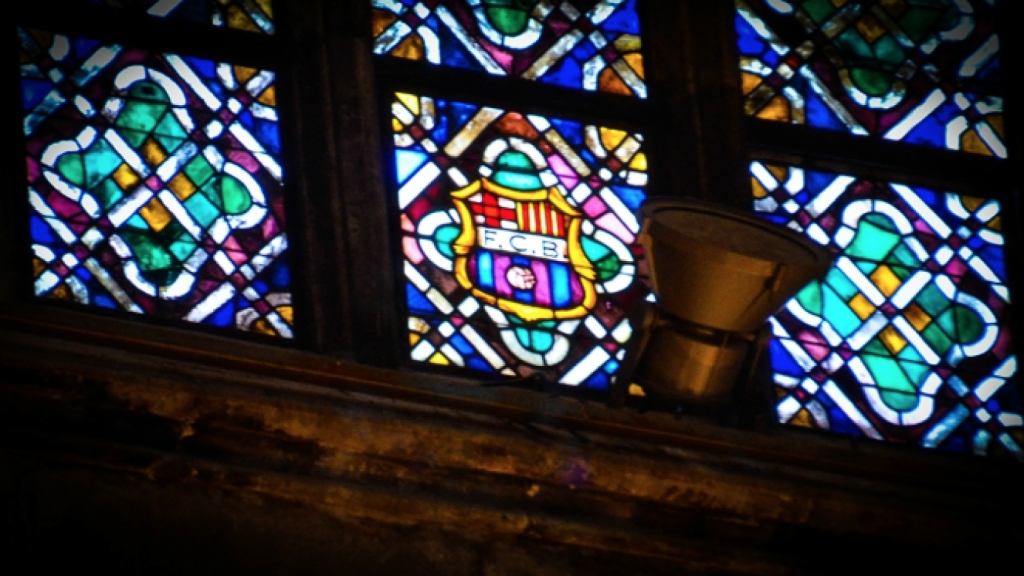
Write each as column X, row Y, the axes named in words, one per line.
column 917, row 71
column 584, row 44
column 155, row 183
column 907, row 338
column 250, row 15
column 519, row 234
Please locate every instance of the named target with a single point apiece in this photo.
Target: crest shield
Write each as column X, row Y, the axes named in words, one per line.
column 521, row 252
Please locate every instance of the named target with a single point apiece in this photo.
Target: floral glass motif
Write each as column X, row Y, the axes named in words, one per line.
column 519, row 234
column 583, row 44
column 249, row 15
column 155, row 183
column 907, row 337
column 917, row 71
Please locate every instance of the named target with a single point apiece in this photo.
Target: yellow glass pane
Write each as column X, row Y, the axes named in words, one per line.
column 411, row 102
column 380, row 21
column 759, row 190
column 996, row 122
column 243, row 73
column 971, row 142
column 262, row 326
column 266, row 6
column 611, row 139
column 781, row 173
column 896, row 8
column 156, row 215
column 269, row 97
column 776, row 110
column 869, row 28
column 749, row 82
column 861, row 307
column 803, row 418
column 639, row 162
column 892, row 339
column 917, row 317
column 288, row 313
column 439, row 359
column 411, row 48
column 182, row 187
column 610, row 82
column 153, row 153
column 636, row 62
column 885, row 280
column 239, row 20
column 125, row 177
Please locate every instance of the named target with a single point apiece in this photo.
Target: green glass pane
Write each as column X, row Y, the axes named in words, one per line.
column 819, row 10
column 444, row 236
column 236, row 197
column 108, row 193
column 915, row 371
column 509, row 17
column 875, row 346
column 183, row 247
column 171, row 128
column 931, row 300
column 896, row 389
column 515, row 170
column 810, row 298
column 969, row 326
column 910, row 354
column 922, row 16
column 170, row 144
column 72, row 168
column 876, row 237
column 903, row 255
column 100, row 161
column 141, row 117
column 839, row 314
column 842, row 285
column 199, row 170
column 542, row 340
column 947, row 321
column 202, row 210
column 938, row 340
column 155, row 260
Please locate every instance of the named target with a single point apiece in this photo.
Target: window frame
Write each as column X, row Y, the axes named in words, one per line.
column 334, row 119
column 938, row 169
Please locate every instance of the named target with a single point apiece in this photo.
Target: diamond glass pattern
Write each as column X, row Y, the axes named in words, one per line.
column 917, row 71
column 584, row 44
column 519, row 234
column 907, row 338
column 155, row 183
column 249, row 15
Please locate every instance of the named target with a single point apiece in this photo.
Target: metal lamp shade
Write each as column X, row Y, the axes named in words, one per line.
column 718, row 274
column 722, row 268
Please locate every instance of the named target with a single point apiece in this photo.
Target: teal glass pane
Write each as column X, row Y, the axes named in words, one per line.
column 582, row 44
column 907, row 338
column 249, row 15
column 923, row 72
column 155, row 184
column 519, row 235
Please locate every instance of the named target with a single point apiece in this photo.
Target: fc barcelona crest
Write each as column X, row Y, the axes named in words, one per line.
column 520, row 250
column 519, row 236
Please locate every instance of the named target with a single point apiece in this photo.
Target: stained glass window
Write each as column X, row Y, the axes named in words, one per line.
column 907, row 337
column 250, row 15
column 918, row 71
column 519, row 235
column 583, row 44
column 155, row 183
